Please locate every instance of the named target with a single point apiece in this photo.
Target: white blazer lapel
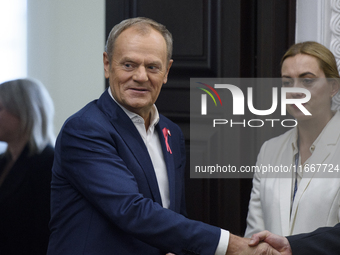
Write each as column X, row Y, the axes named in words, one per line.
column 323, row 149
column 285, row 191
column 285, row 188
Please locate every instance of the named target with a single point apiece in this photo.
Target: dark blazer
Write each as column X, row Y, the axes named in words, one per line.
column 324, row 240
column 25, row 204
column 105, row 197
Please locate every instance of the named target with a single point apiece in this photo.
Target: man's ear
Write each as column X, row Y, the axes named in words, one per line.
column 106, row 65
column 167, row 71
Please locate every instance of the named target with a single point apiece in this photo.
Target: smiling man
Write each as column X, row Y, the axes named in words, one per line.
column 138, row 69
column 118, row 174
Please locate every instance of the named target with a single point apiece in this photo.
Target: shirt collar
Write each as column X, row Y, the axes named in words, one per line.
column 311, row 148
column 135, row 118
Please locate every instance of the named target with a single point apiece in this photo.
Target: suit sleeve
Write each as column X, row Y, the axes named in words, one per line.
column 90, row 161
column 255, row 222
column 322, row 241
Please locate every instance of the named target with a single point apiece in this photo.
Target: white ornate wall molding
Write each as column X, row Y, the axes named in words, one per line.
column 335, row 30
column 335, row 41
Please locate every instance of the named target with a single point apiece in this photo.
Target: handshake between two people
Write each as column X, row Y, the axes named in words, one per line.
column 263, row 242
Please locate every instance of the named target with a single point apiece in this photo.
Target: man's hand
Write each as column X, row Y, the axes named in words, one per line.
column 279, row 243
column 239, row 245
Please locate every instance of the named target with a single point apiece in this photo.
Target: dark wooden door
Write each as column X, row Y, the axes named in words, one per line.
column 216, row 38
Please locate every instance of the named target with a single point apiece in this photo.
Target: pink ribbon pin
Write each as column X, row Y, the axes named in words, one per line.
column 166, row 132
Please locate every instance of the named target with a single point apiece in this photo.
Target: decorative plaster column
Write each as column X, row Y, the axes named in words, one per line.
column 335, row 29
column 335, row 41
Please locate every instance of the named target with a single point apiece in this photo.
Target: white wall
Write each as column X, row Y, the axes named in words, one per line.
column 312, row 21
column 65, row 44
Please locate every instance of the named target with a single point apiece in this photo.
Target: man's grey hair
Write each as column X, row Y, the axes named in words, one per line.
column 142, row 25
column 28, row 100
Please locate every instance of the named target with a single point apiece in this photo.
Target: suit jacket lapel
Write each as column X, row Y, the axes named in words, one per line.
column 285, row 187
column 127, row 130
column 168, row 158
column 318, row 157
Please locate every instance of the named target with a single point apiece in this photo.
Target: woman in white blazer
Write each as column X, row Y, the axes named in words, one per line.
column 301, row 201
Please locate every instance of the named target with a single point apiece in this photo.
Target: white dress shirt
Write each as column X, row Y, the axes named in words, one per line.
column 153, row 144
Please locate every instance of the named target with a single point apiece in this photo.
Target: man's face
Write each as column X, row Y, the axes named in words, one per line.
column 138, row 69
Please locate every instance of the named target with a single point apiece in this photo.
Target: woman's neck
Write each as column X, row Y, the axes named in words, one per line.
column 309, row 130
column 15, row 148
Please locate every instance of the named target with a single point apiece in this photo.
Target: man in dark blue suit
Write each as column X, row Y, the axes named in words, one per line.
column 118, row 173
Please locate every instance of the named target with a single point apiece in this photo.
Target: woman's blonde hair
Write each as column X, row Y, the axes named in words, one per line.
column 29, row 100
column 323, row 55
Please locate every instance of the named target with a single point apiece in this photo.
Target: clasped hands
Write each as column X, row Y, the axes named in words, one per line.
column 260, row 243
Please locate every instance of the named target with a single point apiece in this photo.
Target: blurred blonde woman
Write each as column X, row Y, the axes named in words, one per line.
column 26, row 125
column 304, row 201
